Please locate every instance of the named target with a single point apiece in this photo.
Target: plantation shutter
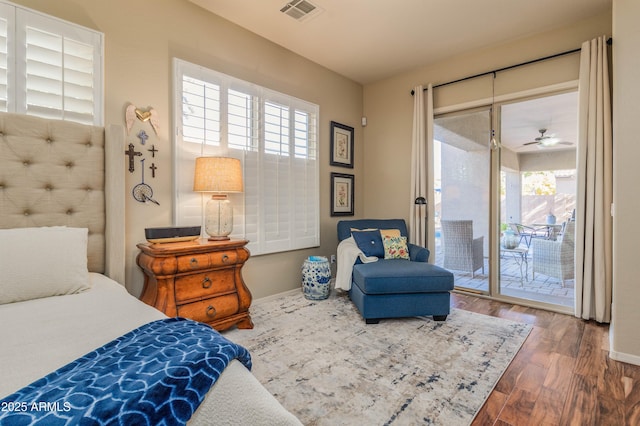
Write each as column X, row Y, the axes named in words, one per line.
column 198, row 134
column 305, row 172
column 281, row 201
column 275, row 137
column 6, row 51
column 53, row 67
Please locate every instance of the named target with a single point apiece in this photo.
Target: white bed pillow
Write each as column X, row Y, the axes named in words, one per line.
column 42, row 262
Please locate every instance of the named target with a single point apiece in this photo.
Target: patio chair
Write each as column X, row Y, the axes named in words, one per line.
column 526, row 233
column 555, row 258
column 461, row 251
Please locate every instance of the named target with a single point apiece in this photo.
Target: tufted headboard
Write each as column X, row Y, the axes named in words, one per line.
column 55, row 172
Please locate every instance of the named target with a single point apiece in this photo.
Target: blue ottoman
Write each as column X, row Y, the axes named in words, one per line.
column 395, row 288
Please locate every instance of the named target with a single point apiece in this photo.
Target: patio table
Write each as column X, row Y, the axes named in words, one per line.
column 551, row 231
column 520, row 256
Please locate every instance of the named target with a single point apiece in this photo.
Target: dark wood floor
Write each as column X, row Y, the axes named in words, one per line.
column 562, row 375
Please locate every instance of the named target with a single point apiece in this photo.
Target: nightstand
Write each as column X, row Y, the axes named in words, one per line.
column 200, row 280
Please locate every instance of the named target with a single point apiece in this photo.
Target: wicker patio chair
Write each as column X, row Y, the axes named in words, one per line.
column 555, row 258
column 461, row 251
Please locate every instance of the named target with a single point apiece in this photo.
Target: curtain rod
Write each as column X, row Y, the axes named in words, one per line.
column 568, row 52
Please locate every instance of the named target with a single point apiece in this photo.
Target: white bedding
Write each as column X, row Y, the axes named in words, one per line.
column 38, row 336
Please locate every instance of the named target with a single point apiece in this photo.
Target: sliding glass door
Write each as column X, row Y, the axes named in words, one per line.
column 538, row 198
column 462, row 173
column 504, row 216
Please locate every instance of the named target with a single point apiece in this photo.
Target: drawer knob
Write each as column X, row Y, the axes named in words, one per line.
column 194, row 262
column 225, row 258
column 211, row 311
column 206, row 283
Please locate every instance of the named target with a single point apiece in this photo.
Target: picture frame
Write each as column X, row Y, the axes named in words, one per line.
column 341, row 145
column 342, row 194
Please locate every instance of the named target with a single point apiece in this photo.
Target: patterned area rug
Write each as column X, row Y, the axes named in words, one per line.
column 326, row 366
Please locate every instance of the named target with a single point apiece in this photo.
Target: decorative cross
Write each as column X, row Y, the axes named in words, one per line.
column 153, row 151
column 132, row 153
column 143, row 136
column 153, row 169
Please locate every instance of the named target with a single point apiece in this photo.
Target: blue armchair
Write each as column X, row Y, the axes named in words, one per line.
column 395, row 288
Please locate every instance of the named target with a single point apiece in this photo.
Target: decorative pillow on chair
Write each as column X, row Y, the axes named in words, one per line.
column 369, row 241
column 42, row 262
column 390, row 233
column 395, row 247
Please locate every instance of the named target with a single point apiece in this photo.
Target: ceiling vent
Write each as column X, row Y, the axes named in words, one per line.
column 300, row 9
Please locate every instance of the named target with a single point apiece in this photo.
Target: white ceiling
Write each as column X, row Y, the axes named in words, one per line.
column 521, row 122
column 369, row 40
column 520, row 125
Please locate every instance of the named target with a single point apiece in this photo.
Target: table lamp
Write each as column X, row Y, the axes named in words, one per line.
column 219, row 175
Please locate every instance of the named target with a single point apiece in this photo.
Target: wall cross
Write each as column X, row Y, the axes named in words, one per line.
column 132, row 153
column 143, row 136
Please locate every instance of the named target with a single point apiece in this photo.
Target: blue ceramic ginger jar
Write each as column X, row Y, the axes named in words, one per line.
column 316, row 278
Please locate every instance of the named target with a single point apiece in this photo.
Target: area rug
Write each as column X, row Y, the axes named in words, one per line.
column 326, row 366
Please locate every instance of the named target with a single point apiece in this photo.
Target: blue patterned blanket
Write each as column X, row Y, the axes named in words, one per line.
column 156, row 374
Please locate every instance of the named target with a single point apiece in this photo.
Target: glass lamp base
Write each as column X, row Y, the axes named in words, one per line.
column 218, row 218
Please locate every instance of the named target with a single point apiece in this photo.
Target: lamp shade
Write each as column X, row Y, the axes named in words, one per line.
column 217, row 174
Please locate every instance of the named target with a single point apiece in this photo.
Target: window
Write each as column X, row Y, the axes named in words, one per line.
column 275, row 137
column 49, row 67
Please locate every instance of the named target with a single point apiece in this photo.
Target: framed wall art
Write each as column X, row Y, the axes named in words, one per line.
column 341, row 194
column 341, row 145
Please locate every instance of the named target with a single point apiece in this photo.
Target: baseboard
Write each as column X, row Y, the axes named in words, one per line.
column 286, row 293
column 275, row 296
column 624, row 357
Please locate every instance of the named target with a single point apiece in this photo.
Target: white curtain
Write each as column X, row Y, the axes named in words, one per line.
column 595, row 189
column 417, row 213
column 431, row 225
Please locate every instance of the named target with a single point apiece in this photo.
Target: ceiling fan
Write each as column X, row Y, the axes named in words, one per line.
column 544, row 141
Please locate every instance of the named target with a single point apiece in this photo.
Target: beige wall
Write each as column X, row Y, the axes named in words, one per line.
column 141, row 37
column 625, row 337
column 558, row 160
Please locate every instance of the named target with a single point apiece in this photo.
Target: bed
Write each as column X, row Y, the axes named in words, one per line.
column 62, row 196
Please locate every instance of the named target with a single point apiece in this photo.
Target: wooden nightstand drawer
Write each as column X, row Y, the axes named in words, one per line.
column 223, row 259
column 198, row 262
column 210, row 310
column 206, row 284
column 193, row 262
